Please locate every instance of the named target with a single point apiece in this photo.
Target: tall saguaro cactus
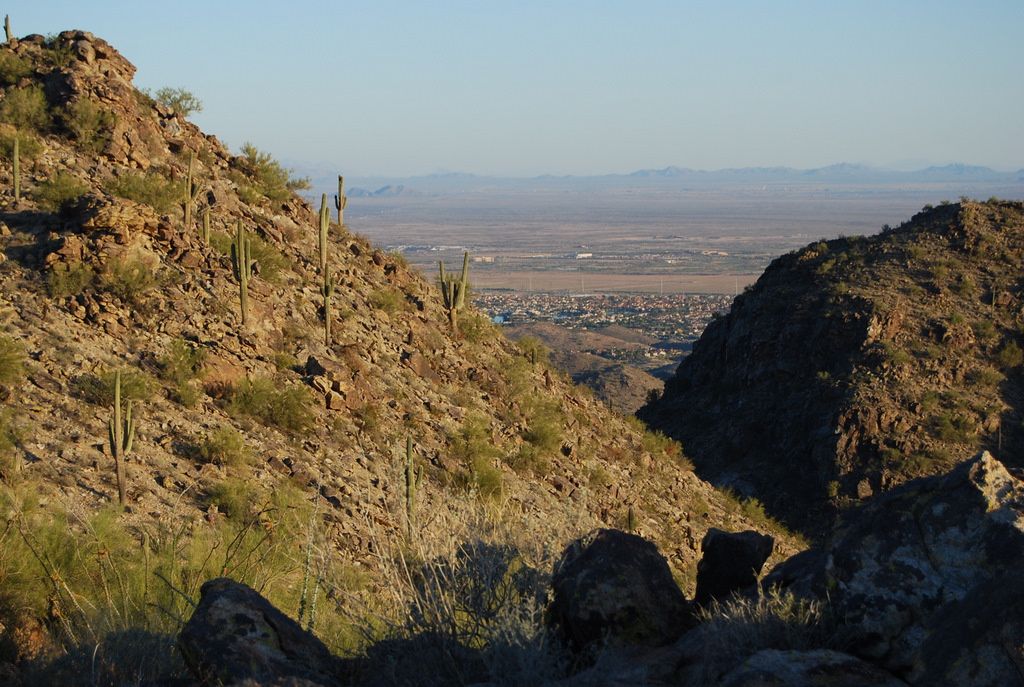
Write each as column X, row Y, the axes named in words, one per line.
column 192, row 189
column 7, row 27
column 325, row 224
column 122, row 433
column 413, row 479
column 453, row 292
column 340, row 201
column 241, row 254
column 327, row 291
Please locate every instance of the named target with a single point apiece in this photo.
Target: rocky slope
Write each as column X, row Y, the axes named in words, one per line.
column 624, row 387
column 263, row 419
column 855, row 364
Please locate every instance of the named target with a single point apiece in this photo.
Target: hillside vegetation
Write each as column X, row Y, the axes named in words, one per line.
column 856, row 364
column 165, row 302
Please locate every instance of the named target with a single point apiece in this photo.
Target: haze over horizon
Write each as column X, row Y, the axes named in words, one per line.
column 399, row 89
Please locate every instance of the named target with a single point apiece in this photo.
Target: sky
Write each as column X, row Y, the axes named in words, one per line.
column 402, row 88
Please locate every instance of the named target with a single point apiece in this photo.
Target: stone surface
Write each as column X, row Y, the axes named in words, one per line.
column 731, row 561
column 616, row 586
column 235, row 634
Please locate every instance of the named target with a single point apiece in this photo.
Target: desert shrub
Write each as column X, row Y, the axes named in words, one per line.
column 533, row 349
column 151, row 189
column 984, row 329
column 180, row 366
column 387, row 300
column 13, row 69
column 258, row 397
column 12, row 363
column 476, row 329
column 59, row 193
column 272, row 262
column 179, row 100
column 987, row 376
column 233, row 497
column 27, row 109
column 68, row 279
column 268, row 178
column 135, row 386
column 89, row 123
column 472, row 446
column 778, row 620
column 128, row 279
column 224, row 446
column 955, row 428
column 29, row 146
column 57, row 52
column 1010, row 355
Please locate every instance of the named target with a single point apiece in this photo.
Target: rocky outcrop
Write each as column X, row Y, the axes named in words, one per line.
column 235, row 634
column 730, row 562
column 830, row 379
column 616, row 587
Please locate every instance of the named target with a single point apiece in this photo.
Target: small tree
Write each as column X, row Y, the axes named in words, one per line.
column 179, row 100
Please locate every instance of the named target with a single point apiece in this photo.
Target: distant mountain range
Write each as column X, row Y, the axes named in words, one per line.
column 325, row 180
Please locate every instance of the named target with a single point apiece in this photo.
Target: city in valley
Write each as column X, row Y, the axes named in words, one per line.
column 658, row 256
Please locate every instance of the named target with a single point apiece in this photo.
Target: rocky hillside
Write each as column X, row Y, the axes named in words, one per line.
column 125, row 235
column 855, row 364
column 623, row 386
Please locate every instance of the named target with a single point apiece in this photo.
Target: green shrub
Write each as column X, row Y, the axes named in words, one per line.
column 289, row 408
column 29, row 146
column 12, row 363
column 387, row 300
column 68, row 279
column 13, row 69
column 1010, row 355
column 151, row 189
column 90, row 124
column 27, row 109
column 267, row 177
column 135, row 386
column 179, row 100
column 59, row 193
column 180, row 366
column 224, row 446
column 128, row 279
column 234, row 497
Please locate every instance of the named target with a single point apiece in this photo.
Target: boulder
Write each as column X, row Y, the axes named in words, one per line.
column 610, row 585
column 731, row 561
column 807, row 668
column 927, row 577
column 235, row 634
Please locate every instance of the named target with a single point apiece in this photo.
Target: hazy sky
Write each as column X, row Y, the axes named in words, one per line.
column 382, row 87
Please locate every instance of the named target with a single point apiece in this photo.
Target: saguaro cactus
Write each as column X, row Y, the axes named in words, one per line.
column 453, row 292
column 192, row 189
column 327, row 291
column 413, row 480
column 206, row 225
column 122, row 433
column 340, row 201
column 7, row 27
column 325, row 224
column 241, row 255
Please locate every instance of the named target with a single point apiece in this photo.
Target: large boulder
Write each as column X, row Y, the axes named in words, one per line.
column 236, row 635
column 730, row 562
column 610, row 585
column 927, row 577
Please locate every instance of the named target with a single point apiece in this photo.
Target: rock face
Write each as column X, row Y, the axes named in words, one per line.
column 837, row 365
column 235, row 634
column 927, row 577
column 730, row 562
column 615, row 585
